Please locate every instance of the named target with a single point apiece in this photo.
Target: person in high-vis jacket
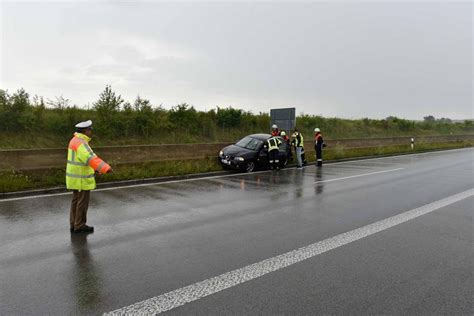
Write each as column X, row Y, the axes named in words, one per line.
column 318, row 146
column 272, row 144
column 297, row 142
column 82, row 164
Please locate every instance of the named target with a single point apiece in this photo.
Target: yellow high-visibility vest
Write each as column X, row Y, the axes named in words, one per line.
column 273, row 143
column 82, row 164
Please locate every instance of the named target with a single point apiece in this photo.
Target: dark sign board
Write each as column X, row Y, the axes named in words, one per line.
column 284, row 118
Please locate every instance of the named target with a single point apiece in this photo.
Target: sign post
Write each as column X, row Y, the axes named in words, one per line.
column 285, row 118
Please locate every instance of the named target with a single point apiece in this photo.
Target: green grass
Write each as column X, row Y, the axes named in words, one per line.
column 18, row 181
column 25, row 180
column 344, row 153
column 341, row 152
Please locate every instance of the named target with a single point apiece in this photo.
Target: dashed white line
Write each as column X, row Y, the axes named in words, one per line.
column 182, row 180
column 196, row 291
column 359, row 175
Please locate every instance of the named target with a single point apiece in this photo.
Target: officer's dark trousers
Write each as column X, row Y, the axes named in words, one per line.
column 319, row 156
column 273, row 158
column 79, row 206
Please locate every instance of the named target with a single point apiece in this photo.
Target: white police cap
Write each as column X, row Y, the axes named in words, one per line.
column 85, row 124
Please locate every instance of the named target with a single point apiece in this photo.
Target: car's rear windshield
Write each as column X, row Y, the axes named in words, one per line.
column 249, row 143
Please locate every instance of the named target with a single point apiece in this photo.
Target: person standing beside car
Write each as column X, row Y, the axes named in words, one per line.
column 82, row 164
column 272, row 144
column 298, row 143
column 318, row 146
column 275, row 130
column 286, row 139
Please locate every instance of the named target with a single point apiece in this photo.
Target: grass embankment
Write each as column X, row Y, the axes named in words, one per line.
column 18, row 181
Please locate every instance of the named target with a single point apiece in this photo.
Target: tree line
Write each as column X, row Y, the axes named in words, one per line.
column 116, row 119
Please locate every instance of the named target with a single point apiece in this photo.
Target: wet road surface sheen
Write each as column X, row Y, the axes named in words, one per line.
column 153, row 239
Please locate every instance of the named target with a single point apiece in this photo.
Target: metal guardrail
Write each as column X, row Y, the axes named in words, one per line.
column 38, row 159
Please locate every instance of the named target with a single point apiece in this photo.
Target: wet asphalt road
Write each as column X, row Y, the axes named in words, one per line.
column 156, row 238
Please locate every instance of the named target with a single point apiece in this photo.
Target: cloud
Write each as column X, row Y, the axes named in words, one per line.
column 338, row 59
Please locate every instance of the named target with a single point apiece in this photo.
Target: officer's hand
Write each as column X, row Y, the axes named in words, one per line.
column 110, row 170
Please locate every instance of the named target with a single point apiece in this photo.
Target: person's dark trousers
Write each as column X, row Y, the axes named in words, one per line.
column 273, row 158
column 319, row 156
column 79, row 206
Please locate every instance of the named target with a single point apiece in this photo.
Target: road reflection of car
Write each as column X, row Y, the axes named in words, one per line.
column 249, row 154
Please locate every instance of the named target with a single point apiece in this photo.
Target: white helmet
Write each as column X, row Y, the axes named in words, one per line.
column 317, row 130
column 282, row 133
column 274, row 126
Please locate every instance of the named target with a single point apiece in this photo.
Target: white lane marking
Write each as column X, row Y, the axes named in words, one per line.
column 372, row 158
column 34, row 197
column 223, row 176
column 196, row 291
column 134, row 186
column 182, row 180
column 359, row 175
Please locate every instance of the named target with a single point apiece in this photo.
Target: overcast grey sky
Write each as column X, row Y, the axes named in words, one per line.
column 348, row 59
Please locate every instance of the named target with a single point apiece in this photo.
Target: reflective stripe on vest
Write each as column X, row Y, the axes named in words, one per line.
column 86, row 146
column 89, row 158
column 75, row 163
column 272, row 144
column 72, row 175
column 99, row 167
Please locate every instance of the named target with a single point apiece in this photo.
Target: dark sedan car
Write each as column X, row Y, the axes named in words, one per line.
column 249, row 153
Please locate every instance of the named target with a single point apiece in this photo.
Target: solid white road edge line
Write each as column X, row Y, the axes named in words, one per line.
column 216, row 177
column 185, row 180
column 359, row 175
column 133, row 186
column 196, row 291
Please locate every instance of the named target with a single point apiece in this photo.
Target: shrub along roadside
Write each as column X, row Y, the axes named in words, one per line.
column 18, row 181
column 29, row 122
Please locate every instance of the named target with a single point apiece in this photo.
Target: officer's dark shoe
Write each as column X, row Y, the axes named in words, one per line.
column 71, row 229
column 85, row 229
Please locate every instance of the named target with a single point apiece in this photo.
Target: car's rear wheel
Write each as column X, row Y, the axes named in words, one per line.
column 249, row 166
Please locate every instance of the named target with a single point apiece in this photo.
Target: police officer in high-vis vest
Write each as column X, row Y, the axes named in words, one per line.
column 272, row 144
column 82, row 164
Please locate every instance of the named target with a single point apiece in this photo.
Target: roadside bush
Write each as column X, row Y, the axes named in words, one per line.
column 117, row 122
